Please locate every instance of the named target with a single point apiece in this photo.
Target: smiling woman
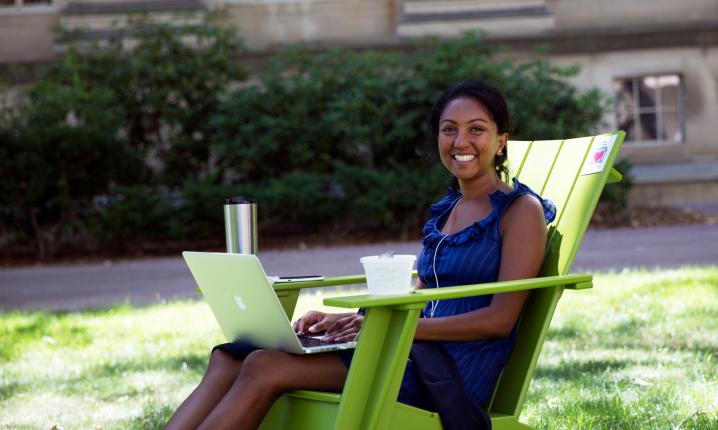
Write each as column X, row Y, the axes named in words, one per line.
column 468, row 139
column 482, row 231
column 490, row 120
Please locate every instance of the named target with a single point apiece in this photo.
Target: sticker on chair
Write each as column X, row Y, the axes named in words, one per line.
column 598, row 155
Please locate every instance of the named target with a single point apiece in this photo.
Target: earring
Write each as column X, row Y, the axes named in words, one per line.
column 500, row 153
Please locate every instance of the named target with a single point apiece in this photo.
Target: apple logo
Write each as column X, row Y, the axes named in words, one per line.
column 240, row 303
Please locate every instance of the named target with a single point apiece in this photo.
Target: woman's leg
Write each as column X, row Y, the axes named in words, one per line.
column 264, row 376
column 219, row 377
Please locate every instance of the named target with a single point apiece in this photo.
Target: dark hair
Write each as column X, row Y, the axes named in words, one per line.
column 490, row 97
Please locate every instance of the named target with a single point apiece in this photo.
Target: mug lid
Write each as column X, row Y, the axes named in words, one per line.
column 239, row 200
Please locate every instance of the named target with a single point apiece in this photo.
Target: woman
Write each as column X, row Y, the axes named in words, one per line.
column 482, row 231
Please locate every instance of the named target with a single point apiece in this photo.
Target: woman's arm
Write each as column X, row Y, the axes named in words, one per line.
column 523, row 229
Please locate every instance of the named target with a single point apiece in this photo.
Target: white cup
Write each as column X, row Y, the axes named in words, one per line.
column 388, row 275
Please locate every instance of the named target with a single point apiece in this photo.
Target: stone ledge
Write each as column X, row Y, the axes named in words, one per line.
column 124, row 7
column 522, row 12
column 570, row 41
column 674, row 173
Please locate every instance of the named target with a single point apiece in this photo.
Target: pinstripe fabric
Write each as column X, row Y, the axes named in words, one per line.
column 470, row 256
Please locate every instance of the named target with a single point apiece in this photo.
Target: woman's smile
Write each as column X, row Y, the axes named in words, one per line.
column 463, row 158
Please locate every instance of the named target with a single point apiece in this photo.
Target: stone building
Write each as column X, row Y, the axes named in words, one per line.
column 658, row 58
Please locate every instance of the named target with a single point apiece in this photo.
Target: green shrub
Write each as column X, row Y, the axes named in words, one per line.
column 107, row 115
column 360, row 118
column 615, row 195
column 333, row 141
column 133, row 215
column 59, row 149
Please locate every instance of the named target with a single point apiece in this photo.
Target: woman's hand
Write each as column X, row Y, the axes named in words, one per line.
column 315, row 322
column 344, row 329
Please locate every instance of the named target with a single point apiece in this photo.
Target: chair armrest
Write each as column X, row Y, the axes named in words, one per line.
column 577, row 282
column 327, row 282
column 614, row 176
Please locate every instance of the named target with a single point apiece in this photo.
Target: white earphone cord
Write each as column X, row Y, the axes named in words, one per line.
column 434, row 303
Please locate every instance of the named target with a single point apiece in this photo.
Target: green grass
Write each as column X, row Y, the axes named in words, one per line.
column 640, row 350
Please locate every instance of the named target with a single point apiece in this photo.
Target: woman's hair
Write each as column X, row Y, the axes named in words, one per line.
column 493, row 101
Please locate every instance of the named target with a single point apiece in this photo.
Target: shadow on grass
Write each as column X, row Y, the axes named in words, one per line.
column 566, row 332
column 196, row 363
column 153, row 416
column 572, row 331
column 627, row 330
column 112, row 374
column 573, row 370
column 39, row 326
column 700, row 420
column 8, row 390
column 614, row 413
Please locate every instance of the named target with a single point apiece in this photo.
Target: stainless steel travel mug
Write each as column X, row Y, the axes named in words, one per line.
column 240, row 225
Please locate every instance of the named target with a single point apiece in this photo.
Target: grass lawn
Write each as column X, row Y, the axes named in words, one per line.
column 640, row 350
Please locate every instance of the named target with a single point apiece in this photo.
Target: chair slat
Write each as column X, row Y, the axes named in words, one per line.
column 565, row 170
column 581, row 204
column 540, row 158
column 516, row 153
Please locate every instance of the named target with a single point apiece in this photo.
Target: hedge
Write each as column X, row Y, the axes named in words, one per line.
column 112, row 146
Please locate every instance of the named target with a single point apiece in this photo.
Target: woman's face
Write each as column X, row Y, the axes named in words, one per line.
column 468, row 139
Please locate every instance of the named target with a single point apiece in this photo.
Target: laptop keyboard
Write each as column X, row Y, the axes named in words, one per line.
column 309, row 341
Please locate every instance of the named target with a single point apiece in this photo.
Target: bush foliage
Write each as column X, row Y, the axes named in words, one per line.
column 142, row 144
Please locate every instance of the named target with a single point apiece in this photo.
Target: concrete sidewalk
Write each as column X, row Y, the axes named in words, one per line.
column 83, row 286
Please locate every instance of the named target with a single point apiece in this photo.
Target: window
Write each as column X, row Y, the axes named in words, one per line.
column 23, row 3
column 650, row 108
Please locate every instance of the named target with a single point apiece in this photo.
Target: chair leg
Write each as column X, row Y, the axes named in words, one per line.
column 377, row 369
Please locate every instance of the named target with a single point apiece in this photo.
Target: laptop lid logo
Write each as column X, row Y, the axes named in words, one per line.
column 240, row 303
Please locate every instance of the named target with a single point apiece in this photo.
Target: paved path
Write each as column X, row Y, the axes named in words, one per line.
column 67, row 287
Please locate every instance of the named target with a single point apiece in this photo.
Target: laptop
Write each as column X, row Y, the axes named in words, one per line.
column 245, row 306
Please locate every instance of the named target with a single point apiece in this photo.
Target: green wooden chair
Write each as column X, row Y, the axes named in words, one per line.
column 566, row 171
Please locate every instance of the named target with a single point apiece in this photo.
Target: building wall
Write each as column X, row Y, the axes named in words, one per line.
column 610, row 14
column 26, row 34
column 698, row 68
column 268, row 23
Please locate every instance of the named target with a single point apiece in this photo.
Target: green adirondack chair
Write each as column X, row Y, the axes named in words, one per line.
column 559, row 170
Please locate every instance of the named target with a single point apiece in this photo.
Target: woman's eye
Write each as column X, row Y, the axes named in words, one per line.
column 447, row 129
column 477, row 129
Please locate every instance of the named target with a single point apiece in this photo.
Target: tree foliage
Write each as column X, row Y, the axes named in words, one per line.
column 142, row 143
column 108, row 115
column 357, row 121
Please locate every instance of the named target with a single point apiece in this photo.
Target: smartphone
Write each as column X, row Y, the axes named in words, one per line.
column 302, row 278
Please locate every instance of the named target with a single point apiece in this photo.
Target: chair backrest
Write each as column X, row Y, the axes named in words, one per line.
column 561, row 171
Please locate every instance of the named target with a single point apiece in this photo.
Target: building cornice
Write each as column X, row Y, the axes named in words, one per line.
column 606, row 39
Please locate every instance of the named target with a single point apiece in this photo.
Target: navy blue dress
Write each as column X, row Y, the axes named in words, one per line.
column 469, row 256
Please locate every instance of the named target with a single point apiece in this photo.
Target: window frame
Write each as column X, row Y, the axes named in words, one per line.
column 637, row 110
column 21, row 8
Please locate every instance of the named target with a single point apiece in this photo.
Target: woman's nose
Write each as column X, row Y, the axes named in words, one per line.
column 461, row 139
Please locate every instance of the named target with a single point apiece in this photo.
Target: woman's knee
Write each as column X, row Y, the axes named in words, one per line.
column 222, row 361
column 265, row 367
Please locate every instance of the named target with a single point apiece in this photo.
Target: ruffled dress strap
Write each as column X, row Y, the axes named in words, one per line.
column 501, row 200
column 440, row 208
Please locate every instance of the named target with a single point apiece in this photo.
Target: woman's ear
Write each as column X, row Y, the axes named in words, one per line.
column 502, row 143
